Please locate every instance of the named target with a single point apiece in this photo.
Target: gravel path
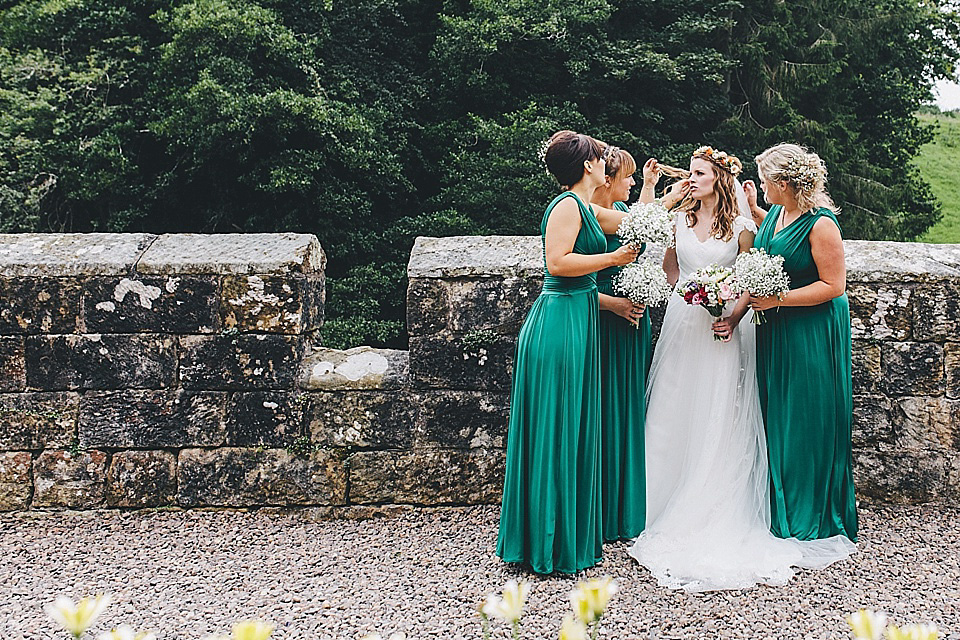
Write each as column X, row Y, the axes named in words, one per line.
column 188, row 574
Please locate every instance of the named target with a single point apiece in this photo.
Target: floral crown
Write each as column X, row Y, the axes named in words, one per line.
column 720, row 158
column 807, row 172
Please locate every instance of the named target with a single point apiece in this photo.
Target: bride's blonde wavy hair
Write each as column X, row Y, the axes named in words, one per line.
column 725, row 170
column 802, row 170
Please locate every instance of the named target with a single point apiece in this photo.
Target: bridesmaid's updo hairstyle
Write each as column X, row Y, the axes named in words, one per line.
column 566, row 153
column 620, row 163
column 802, row 170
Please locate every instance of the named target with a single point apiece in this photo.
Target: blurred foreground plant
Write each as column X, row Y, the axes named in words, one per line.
column 870, row 625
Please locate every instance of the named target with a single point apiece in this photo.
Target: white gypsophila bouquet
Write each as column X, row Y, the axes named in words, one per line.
column 643, row 283
column 761, row 274
column 647, row 222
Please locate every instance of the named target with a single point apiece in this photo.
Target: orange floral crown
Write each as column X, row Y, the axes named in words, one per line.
column 720, row 158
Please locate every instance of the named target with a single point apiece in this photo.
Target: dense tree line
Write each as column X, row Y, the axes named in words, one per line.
column 369, row 122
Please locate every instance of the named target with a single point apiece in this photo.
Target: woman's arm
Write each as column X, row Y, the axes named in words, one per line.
column 725, row 326
column 651, row 175
column 562, row 230
column 756, row 211
column 826, row 245
column 671, row 266
column 622, row 307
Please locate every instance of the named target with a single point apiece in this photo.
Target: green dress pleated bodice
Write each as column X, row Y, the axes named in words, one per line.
column 806, row 396
column 624, row 362
column 550, row 518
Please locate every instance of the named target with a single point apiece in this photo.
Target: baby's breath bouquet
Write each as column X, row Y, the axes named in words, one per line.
column 647, row 222
column 761, row 274
column 643, row 283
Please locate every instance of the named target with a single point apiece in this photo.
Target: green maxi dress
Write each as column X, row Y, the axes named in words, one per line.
column 550, row 517
column 624, row 362
column 806, row 396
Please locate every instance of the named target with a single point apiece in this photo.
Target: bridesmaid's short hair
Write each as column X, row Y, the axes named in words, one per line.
column 619, row 162
column 566, row 153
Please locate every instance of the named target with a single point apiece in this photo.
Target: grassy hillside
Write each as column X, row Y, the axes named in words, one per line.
column 939, row 162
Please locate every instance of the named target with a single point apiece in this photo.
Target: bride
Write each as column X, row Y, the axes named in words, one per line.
column 708, row 513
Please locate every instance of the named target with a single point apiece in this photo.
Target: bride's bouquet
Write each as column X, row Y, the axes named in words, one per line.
column 643, row 283
column 647, row 222
column 761, row 274
column 711, row 288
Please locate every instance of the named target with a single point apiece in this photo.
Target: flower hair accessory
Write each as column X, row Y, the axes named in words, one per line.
column 806, row 172
column 720, row 158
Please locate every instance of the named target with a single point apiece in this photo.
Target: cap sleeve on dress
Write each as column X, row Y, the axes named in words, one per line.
column 741, row 224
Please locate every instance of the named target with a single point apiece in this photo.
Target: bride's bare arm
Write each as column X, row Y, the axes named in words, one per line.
column 671, row 266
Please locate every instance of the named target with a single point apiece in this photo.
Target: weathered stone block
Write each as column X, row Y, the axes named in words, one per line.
column 43, row 420
column 272, row 303
column 427, row 306
column 161, row 304
column 233, row 253
column 427, row 476
column 12, row 364
column 867, row 370
column 16, row 482
column 142, row 479
column 109, row 361
column 500, row 304
column 899, row 476
column 240, row 361
column 38, row 305
column 249, row 477
column 264, row 418
column 71, row 254
column 476, row 256
column 476, row 360
column 912, row 368
column 146, row 419
column 936, row 312
column 361, row 418
column 928, row 423
column 951, row 365
column 881, row 312
column 353, row 369
column 873, row 420
column 463, row 419
column 74, row 481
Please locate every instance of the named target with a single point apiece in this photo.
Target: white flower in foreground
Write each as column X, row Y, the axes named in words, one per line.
column 252, row 630
column 77, row 618
column 572, row 629
column 867, row 624
column 125, row 632
column 509, row 608
column 377, row 636
column 913, row 632
column 589, row 600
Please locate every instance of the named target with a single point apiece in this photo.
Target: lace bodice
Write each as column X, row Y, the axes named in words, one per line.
column 693, row 254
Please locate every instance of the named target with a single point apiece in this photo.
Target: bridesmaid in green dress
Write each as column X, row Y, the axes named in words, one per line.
column 550, row 517
column 804, row 351
column 624, row 360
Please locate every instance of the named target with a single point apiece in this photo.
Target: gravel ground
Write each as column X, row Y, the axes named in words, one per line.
column 423, row 571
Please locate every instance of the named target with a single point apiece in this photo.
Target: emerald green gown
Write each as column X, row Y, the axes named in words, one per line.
column 806, row 396
column 550, row 518
column 624, row 362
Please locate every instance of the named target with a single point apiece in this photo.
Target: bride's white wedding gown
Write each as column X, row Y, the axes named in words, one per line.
column 708, row 520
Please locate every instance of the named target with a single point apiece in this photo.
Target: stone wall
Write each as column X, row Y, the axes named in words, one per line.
column 184, row 371
column 467, row 297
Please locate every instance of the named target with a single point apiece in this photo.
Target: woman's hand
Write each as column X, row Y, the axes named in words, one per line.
column 624, row 255
column 626, row 309
column 725, row 326
column 676, row 193
column 750, row 190
column 651, row 172
column 762, row 303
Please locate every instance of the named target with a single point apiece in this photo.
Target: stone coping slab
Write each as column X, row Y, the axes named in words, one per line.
column 233, row 253
column 520, row 256
column 70, row 254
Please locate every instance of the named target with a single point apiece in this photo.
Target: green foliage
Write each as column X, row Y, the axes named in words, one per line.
column 939, row 164
column 370, row 122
